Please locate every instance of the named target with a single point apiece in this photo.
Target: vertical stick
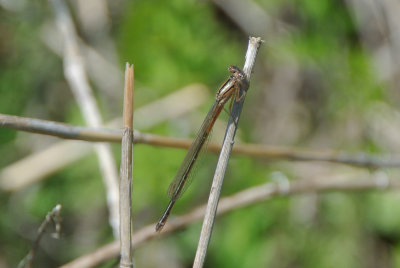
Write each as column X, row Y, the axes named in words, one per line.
column 208, row 222
column 126, row 173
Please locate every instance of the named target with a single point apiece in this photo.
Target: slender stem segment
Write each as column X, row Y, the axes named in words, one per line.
column 176, row 188
column 126, row 173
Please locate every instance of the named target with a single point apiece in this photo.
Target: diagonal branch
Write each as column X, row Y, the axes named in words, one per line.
column 247, row 197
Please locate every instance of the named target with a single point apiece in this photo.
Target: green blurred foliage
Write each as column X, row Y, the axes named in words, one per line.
column 176, row 42
column 172, row 44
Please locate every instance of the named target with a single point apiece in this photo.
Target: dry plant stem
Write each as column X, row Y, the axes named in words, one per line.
column 67, row 131
column 52, row 216
column 250, row 196
column 126, row 174
column 75, row 74
column 211, row 210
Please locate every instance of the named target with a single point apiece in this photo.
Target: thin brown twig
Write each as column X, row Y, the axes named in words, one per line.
column 67, row 131
column 76, row 76
column 60, row 130
column 212, row 204
column 52, row 216
column 247, row 197
column 126, row 173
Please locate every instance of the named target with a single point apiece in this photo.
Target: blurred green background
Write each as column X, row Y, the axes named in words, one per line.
column 325, row 78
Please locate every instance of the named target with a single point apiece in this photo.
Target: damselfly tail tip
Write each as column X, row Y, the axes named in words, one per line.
column 159, row 226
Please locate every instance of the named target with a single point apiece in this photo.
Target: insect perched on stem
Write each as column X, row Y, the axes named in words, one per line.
column 231, row 88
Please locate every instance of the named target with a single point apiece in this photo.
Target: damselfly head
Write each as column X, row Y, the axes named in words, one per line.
column 237, row 73
column 233, row 69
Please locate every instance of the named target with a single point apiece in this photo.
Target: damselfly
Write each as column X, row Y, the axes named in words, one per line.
column 229, row 89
